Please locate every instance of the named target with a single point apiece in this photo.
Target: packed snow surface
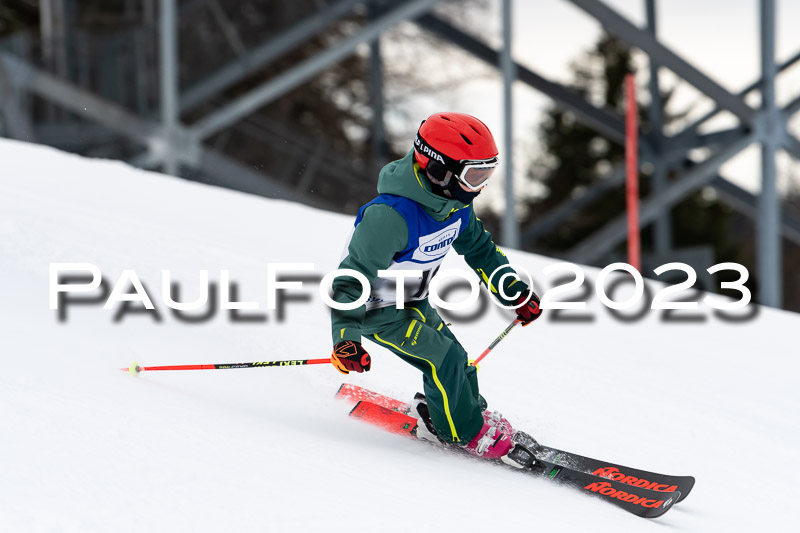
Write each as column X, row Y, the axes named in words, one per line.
column 85, row 447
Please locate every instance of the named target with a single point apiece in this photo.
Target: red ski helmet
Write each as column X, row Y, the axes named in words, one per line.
column 458, row 143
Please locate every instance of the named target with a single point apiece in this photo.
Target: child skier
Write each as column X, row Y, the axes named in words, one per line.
column 423, row 208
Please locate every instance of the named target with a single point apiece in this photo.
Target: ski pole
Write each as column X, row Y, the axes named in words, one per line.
column 494, row 342
column 135, row 368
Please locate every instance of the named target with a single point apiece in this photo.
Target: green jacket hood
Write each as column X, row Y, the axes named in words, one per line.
column 402, row 178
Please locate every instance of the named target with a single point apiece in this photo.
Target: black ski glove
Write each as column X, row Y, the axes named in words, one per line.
column 530, row 311
column 350, row 356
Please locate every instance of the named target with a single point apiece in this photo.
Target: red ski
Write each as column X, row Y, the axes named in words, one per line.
column 385, row 418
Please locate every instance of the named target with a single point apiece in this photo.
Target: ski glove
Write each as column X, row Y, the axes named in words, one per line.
column 530, row 311
column 350, row 356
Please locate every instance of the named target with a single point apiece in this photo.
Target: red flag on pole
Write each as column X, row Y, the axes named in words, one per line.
column 632, row 172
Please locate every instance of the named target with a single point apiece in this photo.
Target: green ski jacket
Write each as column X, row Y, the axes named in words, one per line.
column 383, row 232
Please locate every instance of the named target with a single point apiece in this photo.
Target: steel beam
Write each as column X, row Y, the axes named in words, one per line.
column 226, row 172
column 551, row 220
column 666, row 159
column 690, row 140
column 221, row 169
column 377, row 98
column 17, row 124
column 769, row 261
column 146, row 160
column 275, row 88
column 228, row 29
column 791, row 108
column 79, row 101
column 605, row 122
column 603, row 241
column 747, row 204
column 263, row 54
column 741, row 94
column 168, row 66
column 71, row 134
column 510, row 225
column 53, row 30
column 791, row 145
column 662, row 228
column 377, row 102
column 632, row 34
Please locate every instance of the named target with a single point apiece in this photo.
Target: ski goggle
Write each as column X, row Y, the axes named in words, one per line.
column 474, row 174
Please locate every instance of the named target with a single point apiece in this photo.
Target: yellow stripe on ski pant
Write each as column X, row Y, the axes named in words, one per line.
column 435, row 379
column 418, row 311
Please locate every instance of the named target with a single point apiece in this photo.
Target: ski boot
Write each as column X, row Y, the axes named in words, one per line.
column 493, row 441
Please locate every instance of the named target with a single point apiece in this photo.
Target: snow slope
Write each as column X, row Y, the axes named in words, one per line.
column 87, row 448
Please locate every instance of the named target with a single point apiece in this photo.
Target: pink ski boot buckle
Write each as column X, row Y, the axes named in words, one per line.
column 493, row 441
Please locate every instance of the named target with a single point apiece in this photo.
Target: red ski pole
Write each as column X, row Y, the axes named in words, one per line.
column 494, row 342
column 135, row 368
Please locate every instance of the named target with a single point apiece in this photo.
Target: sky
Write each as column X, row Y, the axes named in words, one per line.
column 717, row 36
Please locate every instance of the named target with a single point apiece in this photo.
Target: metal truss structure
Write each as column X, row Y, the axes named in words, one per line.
column 162, row 140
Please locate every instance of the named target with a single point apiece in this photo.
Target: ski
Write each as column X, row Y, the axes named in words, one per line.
column 355, row 393
column 637, row 500
column 546, row 454
column 625, row 474
column 385, row 418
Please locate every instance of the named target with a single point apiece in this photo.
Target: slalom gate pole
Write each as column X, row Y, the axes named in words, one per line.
column 495, row 342
column 135, row 368
column 632, row 173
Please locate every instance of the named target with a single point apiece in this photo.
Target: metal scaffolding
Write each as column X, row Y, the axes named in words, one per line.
column 151, row 119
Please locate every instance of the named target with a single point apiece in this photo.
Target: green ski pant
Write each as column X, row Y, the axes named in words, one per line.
column 450, row 384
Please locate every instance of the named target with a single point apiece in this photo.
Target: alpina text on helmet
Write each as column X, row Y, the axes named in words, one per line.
column 426, row 150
